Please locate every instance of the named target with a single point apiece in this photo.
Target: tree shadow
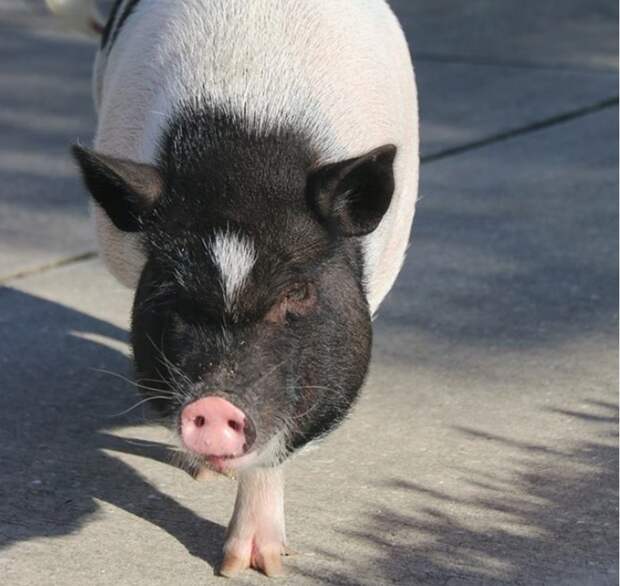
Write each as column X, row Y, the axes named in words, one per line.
column 495, row 262
column 526, row 33
column 515, row 249
column 538, row 516
column 54, row 413
column 45, row 106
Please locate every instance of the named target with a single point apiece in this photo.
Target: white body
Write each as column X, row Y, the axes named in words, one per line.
column 339, row 70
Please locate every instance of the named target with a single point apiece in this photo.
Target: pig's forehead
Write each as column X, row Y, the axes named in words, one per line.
column 233, row 271
column 238, row 255
column 273, row 235
column 235, row 200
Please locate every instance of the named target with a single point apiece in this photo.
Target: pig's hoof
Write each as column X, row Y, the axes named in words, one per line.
column 240, row 555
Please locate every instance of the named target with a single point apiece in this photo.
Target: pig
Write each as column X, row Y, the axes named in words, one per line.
column 253, row 176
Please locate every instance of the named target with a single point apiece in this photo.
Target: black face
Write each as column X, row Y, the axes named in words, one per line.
column 252, row 290
column 292, row 352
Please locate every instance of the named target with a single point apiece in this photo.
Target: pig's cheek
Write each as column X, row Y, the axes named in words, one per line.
column 256, row 534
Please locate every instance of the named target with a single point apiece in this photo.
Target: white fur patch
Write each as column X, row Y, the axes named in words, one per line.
column 336, row 71
column 234, row 256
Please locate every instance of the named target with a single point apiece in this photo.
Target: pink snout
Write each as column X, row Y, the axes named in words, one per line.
column 212, row 426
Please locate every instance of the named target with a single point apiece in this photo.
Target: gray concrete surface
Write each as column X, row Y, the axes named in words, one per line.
column 495, row 374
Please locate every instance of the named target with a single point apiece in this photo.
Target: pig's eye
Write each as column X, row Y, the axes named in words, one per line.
column 298, row 301
column 298, row 294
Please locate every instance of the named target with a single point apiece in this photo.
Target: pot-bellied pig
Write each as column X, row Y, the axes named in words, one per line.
column 254, row 177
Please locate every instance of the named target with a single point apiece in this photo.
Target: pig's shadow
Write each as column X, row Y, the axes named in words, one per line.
column 54, row 410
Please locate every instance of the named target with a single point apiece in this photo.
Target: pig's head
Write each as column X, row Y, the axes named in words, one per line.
column 250, row 330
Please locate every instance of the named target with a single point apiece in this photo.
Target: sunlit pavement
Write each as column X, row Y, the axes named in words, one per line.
column 484, row 450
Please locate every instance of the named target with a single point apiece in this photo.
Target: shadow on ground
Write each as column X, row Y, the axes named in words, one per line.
column 554, row 518
column 515, row 245
column 546, row 502
column 54, row 412
column 45, row 106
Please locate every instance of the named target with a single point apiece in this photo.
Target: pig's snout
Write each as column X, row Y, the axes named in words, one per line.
column 212, row 426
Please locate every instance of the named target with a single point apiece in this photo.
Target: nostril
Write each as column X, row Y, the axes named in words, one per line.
column 213, row 426
column 235, row 425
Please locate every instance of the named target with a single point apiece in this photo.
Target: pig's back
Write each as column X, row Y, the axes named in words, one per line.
column 336, row 70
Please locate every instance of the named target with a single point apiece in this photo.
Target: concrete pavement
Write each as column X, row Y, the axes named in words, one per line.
column 494, row 380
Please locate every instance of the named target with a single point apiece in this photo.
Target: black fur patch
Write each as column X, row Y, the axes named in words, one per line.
column 105, row 36
column 219, row 176
column 301, row 373
column 113, row 27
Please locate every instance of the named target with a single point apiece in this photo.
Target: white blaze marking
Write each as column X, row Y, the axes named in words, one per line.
column 234, row 256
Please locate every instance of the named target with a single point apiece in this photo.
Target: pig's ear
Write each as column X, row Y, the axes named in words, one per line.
column 353, row 195
column 126, row 190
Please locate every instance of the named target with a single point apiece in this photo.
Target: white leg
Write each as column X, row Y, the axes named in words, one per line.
column 256, row 536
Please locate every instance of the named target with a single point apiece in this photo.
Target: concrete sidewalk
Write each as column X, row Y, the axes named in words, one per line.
column 495, row 374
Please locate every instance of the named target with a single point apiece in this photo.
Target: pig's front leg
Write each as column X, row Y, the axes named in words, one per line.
column 256, row 536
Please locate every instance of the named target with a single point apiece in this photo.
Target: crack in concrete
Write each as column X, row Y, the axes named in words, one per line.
column 56, row 264
column 482, row 61
column 476, row 144
column 522, row 130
